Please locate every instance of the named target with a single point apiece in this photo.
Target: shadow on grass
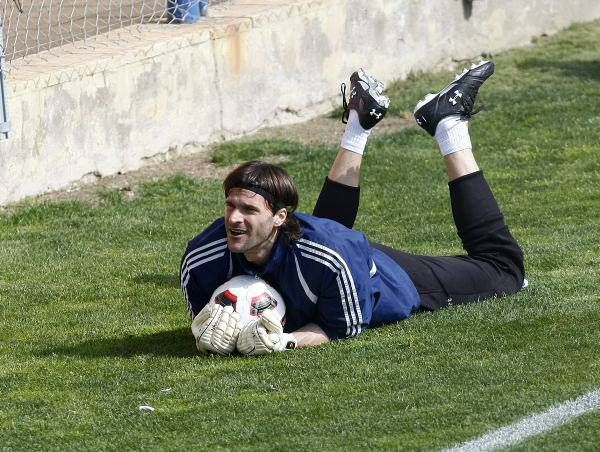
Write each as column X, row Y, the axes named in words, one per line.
column 578, row 68
column 158, row 279
column 173, row 343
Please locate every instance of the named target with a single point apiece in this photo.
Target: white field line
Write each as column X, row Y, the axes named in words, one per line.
column 532, row 425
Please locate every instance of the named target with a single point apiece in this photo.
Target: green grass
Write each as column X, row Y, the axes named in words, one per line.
column 92, row 322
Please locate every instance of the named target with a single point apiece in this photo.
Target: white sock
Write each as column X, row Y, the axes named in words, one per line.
column 355, row 137
column 452, row 135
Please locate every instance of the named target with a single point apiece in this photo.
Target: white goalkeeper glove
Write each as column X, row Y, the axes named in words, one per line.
column 265, row 335
column 216, row 329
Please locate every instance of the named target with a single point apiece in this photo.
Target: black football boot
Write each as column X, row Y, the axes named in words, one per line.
column 367, row 98
column 457, row 98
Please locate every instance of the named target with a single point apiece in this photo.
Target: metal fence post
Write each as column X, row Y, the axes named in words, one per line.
column 4, row 122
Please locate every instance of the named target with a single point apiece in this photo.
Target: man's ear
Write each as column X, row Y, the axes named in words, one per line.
column 280, row 217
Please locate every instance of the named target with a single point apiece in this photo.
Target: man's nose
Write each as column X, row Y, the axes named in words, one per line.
column 235, row 216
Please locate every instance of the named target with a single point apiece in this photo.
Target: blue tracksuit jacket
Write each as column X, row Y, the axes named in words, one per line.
column 331, row 276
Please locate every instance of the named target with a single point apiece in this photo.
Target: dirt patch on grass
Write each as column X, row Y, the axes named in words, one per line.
column 326, row 130
column 195, row 161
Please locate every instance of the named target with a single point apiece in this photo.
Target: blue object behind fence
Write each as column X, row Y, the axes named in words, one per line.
column 186, row 11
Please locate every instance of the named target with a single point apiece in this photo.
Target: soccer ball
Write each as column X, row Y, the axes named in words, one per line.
column 249, row 296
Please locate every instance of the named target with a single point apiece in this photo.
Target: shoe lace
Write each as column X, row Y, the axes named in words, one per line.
column 479, row 108
column 468, row 110
column 346, row 112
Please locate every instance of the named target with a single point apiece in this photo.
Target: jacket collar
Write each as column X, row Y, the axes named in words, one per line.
column 270, row 266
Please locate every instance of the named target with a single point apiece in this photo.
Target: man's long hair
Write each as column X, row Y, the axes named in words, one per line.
column 275, row 185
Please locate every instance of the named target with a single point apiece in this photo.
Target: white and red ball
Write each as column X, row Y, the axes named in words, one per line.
column 249, row 296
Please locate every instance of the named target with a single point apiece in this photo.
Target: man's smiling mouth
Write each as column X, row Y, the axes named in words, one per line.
column 236, row 232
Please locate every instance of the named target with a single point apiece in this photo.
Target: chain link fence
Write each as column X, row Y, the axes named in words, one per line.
column 34, row 26
column 39, row 28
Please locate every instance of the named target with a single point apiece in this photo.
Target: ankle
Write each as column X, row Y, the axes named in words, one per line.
column 460, row 163
column 452, row 135
column 355, row 137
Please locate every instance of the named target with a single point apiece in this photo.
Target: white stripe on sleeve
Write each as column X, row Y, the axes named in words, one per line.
column 343, row 297
column 311, row 296
column 197, row 257
column 184, row 283
column 201, row 248
column 335, row 258
column 199, row 253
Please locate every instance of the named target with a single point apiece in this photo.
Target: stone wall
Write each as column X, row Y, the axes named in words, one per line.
column 112, row 106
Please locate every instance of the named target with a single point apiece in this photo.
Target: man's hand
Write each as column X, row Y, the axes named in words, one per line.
column 216, row 329
column 265, row 335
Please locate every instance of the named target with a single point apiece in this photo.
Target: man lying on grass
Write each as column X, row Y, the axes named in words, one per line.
column 334, row 281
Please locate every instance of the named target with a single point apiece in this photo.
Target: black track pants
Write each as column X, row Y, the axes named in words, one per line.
column 493, row 265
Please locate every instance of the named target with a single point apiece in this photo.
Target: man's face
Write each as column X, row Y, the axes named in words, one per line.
column 251, row 225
